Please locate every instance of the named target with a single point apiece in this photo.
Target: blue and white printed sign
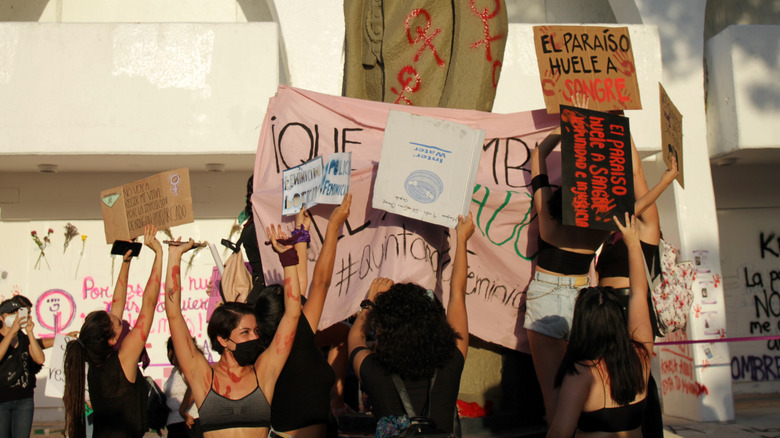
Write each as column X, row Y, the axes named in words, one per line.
column 427, row 168
column 313, row 183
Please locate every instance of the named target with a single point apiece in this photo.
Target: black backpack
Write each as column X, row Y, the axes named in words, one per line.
column 420, row 426
column 156, row 407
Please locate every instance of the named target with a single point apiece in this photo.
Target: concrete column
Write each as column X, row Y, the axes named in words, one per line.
column 696, row 379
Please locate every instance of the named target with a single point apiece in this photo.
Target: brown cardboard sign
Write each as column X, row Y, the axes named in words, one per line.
column 594, row 60
column 671, row 133
column 164, row 200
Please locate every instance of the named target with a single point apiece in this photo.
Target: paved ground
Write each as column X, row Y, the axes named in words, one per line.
column 756, row 417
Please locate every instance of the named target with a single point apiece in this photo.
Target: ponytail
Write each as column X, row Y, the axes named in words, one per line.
column 75, row 374
column 91, row 347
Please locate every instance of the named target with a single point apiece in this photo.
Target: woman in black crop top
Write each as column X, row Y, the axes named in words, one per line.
column 117, row 388
column 612, row 265
column 603, row 376
column 301, row 406
column 234, row 395
column 562, row 265
column 416, row 340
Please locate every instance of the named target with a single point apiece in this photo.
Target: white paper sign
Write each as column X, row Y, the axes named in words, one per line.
column 55, row 384
column 313, row 183
column 427, row 168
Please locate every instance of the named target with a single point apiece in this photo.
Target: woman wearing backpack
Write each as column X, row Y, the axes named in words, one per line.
column 416, row 341
column 612, row 265
column 604, row 374
column 117, row 389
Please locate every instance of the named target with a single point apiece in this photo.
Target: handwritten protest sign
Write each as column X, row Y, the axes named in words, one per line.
column 671, row 134
column 301, row 125
column 311, row 183
column 55, row 384
column 163, row 199
column 598, row 178
column 427, row 168
column 594, row 60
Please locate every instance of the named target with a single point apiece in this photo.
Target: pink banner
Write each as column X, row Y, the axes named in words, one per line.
column 300, row 125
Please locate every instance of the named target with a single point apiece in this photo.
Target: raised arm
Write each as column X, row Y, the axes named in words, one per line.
column 540, row 184
column 119, row 299
column 639, row 325
column 357, row 334
column 35, row 348
column 192, row 363
column 272, row 360
column 457, row 316
column 303, row 218
column 323, row 269
column 648, row 199
column 134, row 342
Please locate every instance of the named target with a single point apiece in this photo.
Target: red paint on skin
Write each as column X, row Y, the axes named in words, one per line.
column 227, row 391
column 288, row 290
column 216, row 383
column 286, row 344
column 140, row 324
column 234, row 377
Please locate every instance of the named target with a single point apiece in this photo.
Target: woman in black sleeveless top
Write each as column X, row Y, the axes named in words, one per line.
column 117, row 389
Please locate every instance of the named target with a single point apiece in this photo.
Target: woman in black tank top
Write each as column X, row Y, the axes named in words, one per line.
column 612, row 264
column 302, row 398
column 604, row 373
column 117, row 388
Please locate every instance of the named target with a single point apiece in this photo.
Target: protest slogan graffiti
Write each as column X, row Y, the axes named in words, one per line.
column 597, row 172
column 300, row 125
column 596, row 61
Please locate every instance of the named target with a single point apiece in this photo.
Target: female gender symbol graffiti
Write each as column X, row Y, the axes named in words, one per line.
column 55, row 309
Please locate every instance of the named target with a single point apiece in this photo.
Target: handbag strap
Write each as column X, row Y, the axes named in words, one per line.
column 404, row 395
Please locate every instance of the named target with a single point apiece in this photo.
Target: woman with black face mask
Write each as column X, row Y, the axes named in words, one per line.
column 234, row 395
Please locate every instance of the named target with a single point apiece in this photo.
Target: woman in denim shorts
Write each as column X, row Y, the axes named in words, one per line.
column 564, row 257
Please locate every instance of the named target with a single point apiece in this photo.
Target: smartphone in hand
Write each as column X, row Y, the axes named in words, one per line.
column 121, row 247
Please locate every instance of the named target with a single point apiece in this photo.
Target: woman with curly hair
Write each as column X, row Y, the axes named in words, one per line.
column 604, row 374
column 117, row 389
column 415, row 340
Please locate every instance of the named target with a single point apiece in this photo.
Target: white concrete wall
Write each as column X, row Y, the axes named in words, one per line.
column 743, row 64
column 135, row 89
column 71, row 282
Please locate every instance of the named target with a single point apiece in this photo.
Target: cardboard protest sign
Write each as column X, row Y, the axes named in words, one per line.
column 594, row 60
column 671, row 134
column 598, row 180
column 311, row 183
column 163, row 199
column 55, row 384
column 427, row 168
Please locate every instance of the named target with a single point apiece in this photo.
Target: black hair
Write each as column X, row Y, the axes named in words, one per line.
column 92, row 347
column 224, row 319
column 555, row 205
column 249, row 190
column 414, row 338
column 23, row 300
column 599, row 332
column 269, row 310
